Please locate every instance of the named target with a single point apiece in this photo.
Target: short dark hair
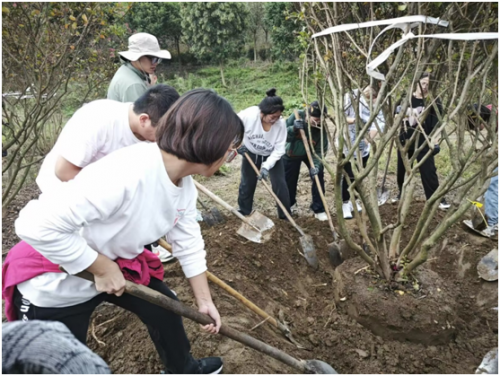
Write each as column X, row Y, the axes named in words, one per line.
column 156, row 102
column 484, row 115
column 315, row 109
column 272, row 103
column 200, row 127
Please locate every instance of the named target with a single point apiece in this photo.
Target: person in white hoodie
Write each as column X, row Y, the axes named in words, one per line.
column 264, row 141
column 113, row 207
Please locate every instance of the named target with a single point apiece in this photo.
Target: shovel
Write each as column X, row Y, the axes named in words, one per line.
column 154, row 297
column 306, row 241
column 212, row 216
column 488, row 266
column 382, row 193
column 252, row 227
column 333, row 248
column 282, row 327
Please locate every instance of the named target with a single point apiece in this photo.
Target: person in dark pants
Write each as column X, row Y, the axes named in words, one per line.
column 296, row 155
column 264, row 143
column 98, row 221
column 428, row 171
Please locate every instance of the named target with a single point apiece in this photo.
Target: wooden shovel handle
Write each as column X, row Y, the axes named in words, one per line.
column 289, row 217
column 316, row 179
column 230, row 290
column 242, row 299
column 157, row 298
column 221, row 202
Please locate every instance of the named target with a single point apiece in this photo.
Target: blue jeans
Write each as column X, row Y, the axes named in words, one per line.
column 491, row 202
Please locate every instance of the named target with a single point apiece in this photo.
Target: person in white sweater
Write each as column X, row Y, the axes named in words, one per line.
column 100, row 128
column 113, row 207
column 264, row 141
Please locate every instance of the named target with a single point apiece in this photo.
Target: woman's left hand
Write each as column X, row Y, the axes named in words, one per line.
column 210, row 310
column 154, row 79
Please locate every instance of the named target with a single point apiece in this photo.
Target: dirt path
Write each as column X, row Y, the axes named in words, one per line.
column 276, row 277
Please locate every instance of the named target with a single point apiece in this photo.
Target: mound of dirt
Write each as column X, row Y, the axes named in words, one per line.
column 276, row 277
column 401, row 313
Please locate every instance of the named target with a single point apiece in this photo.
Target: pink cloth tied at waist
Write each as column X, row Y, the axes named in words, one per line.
column 23, row 263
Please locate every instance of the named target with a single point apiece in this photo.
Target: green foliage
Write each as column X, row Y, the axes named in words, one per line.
column 256, row 14
column 214, row 31
column 46, row 47
column 284, row 30
column 163, row 20
column 247, row 83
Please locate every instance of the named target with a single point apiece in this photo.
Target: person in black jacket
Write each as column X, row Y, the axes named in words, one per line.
column 428, row 172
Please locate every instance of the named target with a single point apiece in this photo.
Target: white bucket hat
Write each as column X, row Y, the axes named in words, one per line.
column 142, row 44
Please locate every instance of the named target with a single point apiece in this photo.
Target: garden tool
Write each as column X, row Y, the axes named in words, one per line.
column 489, row 364
column 333, row 248
column 253, row 228
column 283, row 328
column 382, row 193
column 278, row 324
column 488, row 266
column 306, row 241
column 157, row 298
column 211, row 216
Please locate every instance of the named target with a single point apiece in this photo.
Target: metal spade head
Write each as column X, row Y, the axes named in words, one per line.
column 489, row 365
column 382, row 196
column 262, row 223
column 334, row 254
column 307, row 245
column 488, row 266
column 318, row 366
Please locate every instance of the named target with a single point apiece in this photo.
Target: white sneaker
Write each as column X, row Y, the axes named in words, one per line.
column 162, row 253
column 443, row 205
column 490, row 231
column 347, row 210
column 321, row 216
column 358, row 205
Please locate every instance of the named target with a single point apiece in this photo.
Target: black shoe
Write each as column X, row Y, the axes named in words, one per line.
column 211, row 365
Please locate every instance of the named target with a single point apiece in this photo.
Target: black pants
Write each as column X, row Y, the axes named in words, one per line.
column 428, row 172
column 346, row 196
column 249, row 183
column 165, row 328
column 292, row 171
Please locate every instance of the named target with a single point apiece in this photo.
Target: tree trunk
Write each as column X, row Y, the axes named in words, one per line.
column 255, row 47
column 222, row 75
column 178, row 48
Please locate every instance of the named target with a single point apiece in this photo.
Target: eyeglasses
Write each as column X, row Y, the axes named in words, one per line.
column 154, row 59
column 231, row 155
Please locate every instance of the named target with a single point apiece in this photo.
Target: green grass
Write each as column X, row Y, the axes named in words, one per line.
column 246, row 83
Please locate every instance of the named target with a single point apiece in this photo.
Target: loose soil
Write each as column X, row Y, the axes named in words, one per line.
column 276, row 277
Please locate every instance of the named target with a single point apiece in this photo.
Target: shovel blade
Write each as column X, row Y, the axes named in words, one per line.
column 307, row 245
column 334, row 255
column 260, row 221
column 382, row 196
column 488, row 266
column 320, row 367
column 489, row 365
column 250, row 233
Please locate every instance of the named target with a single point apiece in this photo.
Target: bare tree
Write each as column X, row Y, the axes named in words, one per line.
column 462, row 73
column 46, row 48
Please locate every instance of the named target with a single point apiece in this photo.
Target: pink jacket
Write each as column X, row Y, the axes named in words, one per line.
column 23, row 262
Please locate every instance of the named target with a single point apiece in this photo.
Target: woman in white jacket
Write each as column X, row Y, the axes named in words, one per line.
column 264, row 142
column 113, row 207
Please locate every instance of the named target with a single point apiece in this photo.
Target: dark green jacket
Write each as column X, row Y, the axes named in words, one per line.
column 294, row 145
